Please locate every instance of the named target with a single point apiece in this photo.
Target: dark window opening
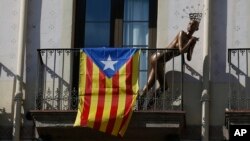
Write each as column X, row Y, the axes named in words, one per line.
column 114, row 23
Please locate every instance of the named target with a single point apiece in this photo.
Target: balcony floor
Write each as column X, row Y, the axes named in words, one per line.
column 144, row 125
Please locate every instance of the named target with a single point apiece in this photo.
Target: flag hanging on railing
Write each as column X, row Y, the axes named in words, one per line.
column 108, row 86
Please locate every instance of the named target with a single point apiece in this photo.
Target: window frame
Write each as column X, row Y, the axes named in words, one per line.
column 116, row 23
column 116, row 29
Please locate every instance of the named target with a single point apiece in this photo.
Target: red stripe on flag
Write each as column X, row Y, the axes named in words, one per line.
column 88, row 91
column 101, row 99
column 114, row 105
column 129, row 92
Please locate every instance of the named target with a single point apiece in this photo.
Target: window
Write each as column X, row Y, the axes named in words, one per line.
column 119, row 23
column 116, row 23
column 135, row 23
column 97, row 23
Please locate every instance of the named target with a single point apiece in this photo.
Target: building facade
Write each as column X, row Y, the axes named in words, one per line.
column 39, row 66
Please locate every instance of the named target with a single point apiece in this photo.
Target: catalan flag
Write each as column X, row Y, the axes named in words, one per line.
column 108, row 86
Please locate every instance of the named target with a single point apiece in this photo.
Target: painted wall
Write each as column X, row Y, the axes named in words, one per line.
column 172, row 18
column 50, row 24
column 229, row 27
column 9, row 21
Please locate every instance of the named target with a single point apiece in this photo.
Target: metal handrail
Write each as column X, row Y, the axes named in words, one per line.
column 61, row 96
column 238, row 64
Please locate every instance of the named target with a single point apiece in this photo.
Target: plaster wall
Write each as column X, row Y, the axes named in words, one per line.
column 229, row 29
column 173, row 18
column 49, row 25
column 9, row 18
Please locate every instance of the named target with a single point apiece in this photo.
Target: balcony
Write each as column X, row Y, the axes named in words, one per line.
column 57, row 92
column 238, row 111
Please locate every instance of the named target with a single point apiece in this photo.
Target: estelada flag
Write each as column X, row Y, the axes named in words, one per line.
column 108, row 86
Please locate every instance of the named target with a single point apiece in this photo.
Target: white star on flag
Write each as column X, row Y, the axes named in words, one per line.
column 109, row 64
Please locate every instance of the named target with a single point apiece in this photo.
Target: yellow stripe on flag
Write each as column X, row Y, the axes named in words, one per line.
column 94, row 96
column 82, row 84
column 135, row 73
column 107, row 104
column 90, row 117
column 121, row 100
column 124, row 128
column 135, row 77
column 135, row 89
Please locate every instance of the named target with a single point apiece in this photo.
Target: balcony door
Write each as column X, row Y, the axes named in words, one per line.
column 115, row 23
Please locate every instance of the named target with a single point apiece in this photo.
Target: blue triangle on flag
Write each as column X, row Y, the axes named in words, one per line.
column 110, row 60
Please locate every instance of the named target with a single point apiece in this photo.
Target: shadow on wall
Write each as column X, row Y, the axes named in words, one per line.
column 239, row 89
column 192, row 87
column 33, row 43
column 6, row 119
column 235, row 93
column 219, row 41
column 5, row 124
column 54, row 92
column 9, row 73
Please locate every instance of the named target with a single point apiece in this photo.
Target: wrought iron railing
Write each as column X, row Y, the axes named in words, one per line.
column 239, row 78
column 56, row 91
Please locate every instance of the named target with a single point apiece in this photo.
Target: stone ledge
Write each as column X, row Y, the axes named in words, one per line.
column 144, row 125
column 237, row 116
column 27, row 132
column 139, row 118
